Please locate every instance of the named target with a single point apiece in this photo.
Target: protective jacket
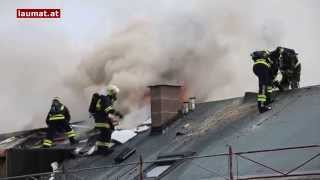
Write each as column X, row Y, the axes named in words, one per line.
column 60, row 113
column 289, row 66
column 104, row 107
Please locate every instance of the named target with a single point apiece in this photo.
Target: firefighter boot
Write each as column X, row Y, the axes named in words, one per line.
column 264, row 109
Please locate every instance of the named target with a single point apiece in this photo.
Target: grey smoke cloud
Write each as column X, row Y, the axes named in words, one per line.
column 203, row 44
column 193, row 47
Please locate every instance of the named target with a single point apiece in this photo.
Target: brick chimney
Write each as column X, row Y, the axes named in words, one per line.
column 165, row 106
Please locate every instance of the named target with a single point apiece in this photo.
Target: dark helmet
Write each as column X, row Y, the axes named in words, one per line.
column 260, row 54
column 279, row 49
column 56, row 104
column 286, row 51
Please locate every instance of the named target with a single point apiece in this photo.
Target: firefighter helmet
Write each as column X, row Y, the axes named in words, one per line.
column 260, row 54
column 112, row 90
column 56, row 99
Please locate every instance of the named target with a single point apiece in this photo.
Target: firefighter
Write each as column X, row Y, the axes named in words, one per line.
column 289, row 66
column 262, row 69
column 58, row 121
column 102, row 114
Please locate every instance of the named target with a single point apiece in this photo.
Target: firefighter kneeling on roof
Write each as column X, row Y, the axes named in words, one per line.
column 101, row 108
column 58, row 121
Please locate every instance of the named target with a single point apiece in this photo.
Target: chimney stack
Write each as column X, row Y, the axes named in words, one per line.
column 165, row 105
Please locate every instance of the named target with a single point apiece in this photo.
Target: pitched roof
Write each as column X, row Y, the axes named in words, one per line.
column 209, row 130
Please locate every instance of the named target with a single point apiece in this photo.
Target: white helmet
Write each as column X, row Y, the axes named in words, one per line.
column 112, row 90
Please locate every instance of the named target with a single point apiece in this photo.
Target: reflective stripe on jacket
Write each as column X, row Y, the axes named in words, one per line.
column 102, row 125
column 58, row 116
column 262, row 61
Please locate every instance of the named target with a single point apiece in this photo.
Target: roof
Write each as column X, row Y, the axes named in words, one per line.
column 210, row 129
column 214, row 125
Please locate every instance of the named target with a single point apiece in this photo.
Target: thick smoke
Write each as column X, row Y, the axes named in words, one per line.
column 204, row 45
column 197, row 47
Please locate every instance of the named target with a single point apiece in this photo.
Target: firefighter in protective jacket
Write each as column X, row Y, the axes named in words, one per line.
column 262, row 68
column 58, row 121
column 289, row 67
column 103, row 112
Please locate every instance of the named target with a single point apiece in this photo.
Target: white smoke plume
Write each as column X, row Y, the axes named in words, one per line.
column 204, row 45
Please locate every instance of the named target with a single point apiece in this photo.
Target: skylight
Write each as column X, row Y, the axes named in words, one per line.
column 157, row 171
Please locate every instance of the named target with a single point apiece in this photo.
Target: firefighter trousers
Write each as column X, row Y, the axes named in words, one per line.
column 265, row 85
column 56, row 126
column 105, row 128
column 104, row 139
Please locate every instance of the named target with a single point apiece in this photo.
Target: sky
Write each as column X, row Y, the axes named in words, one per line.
column 202, row 44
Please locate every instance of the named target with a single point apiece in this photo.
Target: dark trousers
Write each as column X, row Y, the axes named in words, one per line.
column 285, row 82
column 58, row 126
column 290, row 80
column 265, row 84
column 105, row 128
column 104, row 138
column 290, row 77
